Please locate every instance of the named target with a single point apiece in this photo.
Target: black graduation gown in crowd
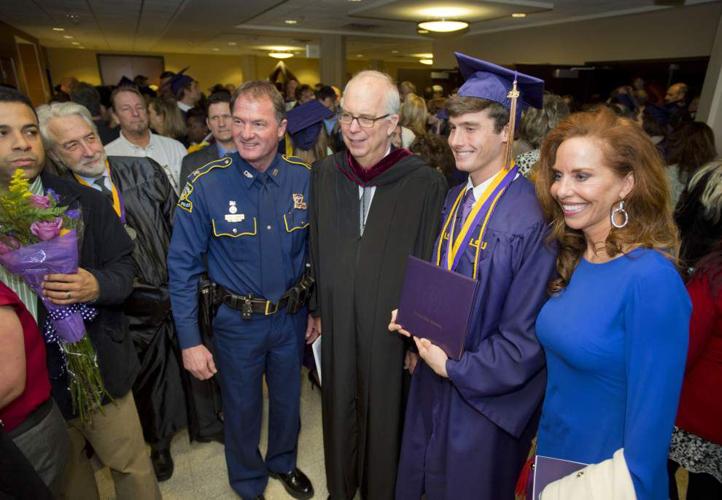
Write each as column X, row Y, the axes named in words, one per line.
column 149, row 203
column 358, row 282
column 105, row 252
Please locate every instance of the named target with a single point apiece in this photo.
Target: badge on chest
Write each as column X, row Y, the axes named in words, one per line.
column 298, row 202
column 233, row 215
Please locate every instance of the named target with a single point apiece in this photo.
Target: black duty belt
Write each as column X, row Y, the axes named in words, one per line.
column 293, row 300
column 248, row 304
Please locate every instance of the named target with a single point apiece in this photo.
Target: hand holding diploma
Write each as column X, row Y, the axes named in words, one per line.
column 433, row 355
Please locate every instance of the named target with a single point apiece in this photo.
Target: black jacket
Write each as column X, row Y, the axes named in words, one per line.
column 106, row 252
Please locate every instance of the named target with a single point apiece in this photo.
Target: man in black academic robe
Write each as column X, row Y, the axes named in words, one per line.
column 371, row 207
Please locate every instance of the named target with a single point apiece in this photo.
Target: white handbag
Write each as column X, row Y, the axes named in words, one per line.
column 607, row 480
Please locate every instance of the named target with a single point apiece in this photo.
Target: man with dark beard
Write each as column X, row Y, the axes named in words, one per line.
column 143, row 199
column 371, row 207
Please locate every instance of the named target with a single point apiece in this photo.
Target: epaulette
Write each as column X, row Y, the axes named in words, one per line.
column 296, row 161
column 184, row 201
column 201, row 171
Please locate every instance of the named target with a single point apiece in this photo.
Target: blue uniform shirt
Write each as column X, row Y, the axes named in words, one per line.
column 219, row 216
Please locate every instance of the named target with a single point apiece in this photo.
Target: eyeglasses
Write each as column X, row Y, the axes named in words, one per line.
column 363, row 121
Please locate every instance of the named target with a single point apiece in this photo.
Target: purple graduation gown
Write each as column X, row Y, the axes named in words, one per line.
column 467, row 437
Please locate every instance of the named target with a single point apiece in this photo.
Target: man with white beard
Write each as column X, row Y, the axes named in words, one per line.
column 144, row 200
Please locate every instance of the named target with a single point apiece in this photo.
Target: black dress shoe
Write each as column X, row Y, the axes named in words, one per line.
column 296, row 483
column 162, row 463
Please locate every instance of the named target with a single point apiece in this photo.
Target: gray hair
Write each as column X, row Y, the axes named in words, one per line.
column 711, row 198
column 47, row 112
column 393, row 100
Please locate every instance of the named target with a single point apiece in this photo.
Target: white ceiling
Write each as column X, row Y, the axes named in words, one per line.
column 374, row 29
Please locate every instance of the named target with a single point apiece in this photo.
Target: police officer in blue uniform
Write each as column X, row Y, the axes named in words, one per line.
column 244, row 220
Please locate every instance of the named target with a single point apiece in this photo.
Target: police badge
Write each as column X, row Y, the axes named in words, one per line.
column 298, row 202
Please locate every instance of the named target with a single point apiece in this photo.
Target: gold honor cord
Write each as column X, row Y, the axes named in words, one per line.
column 467, row 226
column 452, row 251
column 116, row 196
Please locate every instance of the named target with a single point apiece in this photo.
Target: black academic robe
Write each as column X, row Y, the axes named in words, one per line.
column 149, row 204
column 358, row 282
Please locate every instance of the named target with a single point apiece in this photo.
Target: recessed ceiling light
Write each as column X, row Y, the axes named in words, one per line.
column 354, row 0
column 232, row 44
column 359, row 55
column 427, row 62
column 280, row 55
column 443, row 25
column 69, row 37
column 519, row 14
column 291, row 21
column 422, row 32
column 81, row 47
column 76, row 43
column 424, row 55
column 215, row 49
column 394, row 51
column 58, row 29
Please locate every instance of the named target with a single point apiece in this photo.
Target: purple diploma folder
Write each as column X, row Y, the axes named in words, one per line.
column 548, row 469
column 436, row 304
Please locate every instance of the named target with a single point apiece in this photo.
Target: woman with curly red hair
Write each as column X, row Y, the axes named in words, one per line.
column 615, row 329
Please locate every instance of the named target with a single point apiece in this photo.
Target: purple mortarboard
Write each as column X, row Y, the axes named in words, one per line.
column 180, row 80
column 305, row 122
column 125, row 82
column 489, row 81
column 511, row 89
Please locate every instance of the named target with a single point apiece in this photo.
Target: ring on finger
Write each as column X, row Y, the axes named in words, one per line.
column 68, row 295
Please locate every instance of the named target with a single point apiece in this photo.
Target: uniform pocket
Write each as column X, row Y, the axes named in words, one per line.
column 226, row 229
column 295, row 220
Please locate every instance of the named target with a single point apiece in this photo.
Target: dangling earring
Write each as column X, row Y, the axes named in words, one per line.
column 619, row 210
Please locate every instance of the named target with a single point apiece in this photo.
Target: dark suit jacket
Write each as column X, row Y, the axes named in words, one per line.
column 106, row 252
column 196, row 160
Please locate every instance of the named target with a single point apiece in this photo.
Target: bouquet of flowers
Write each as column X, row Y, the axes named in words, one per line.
column 37, row 238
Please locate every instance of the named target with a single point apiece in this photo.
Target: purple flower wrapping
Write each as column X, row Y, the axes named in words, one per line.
column 33, row 262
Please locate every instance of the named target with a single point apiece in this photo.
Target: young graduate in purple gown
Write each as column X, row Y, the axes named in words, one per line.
column 615, row 330
column 469, row 423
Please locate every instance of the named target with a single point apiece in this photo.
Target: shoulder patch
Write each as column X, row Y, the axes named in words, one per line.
column 208, row 167
column 296, row 161
column 183, row 200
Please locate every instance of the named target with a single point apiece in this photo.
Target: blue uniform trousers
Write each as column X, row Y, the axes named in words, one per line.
column 245, row 350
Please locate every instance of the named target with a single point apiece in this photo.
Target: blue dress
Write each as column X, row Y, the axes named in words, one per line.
column 616, row 343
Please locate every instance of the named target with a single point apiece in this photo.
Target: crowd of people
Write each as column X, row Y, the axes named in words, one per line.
column 223, row 235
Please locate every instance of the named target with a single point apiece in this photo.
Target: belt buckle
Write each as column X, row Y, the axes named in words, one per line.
column 268, row 311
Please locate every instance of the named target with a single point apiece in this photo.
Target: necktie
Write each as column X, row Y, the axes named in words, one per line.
column 466, row 205
column 272, row 266
column 100, row 182
column 366, row 198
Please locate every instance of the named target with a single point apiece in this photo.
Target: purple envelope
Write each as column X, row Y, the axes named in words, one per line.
column 436, row 304
column 548, row 469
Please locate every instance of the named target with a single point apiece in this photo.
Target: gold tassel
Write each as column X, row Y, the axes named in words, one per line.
column 512, row 95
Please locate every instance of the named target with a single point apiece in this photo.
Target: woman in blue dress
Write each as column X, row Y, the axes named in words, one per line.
column 615, row 329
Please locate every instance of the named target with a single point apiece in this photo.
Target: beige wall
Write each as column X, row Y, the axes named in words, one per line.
column 306, row 70
column 671, row 33
column 207, row 69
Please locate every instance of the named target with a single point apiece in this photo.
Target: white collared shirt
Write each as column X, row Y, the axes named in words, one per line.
column 479, row 190
column 167, row 152
column 91, row 181
column 184, row 107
